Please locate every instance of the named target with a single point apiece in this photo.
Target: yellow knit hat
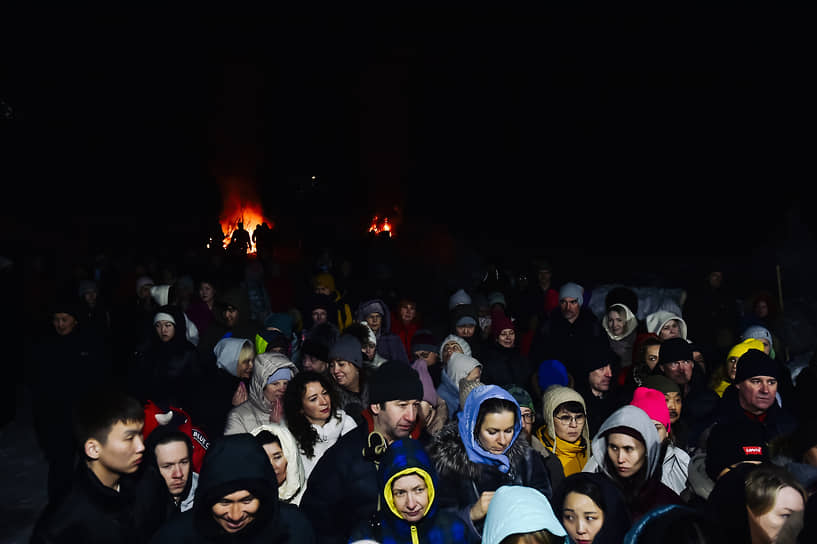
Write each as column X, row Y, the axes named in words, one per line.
column 741, row 348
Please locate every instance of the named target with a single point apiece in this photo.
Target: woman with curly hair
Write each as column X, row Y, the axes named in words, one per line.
column 314, row 416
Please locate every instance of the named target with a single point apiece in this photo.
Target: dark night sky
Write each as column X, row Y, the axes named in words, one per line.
column 602, row 131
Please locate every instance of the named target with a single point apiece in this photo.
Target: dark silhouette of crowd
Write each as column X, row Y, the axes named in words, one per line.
column 333, row 397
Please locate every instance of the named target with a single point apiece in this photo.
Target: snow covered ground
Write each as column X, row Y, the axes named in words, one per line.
column 23, row 476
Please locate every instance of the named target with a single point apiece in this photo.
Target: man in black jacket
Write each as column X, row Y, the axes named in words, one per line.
column 236, row 500
column 343, row 489
column 98, row 508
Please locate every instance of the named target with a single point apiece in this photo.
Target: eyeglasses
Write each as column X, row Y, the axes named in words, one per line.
column 528, row 417
column 676, row 364
column 574, row 420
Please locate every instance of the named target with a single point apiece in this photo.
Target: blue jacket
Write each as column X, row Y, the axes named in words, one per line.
column 387, row 526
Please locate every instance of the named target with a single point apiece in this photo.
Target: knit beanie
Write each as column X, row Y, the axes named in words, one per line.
column 572, row 290
column 281, row 321
column 661, row 383
column 347, row 348
column 551, row 372
column 465, row 320
column 86, row 286
column 757, row 332
column 733, row 442
column 315, row 349
column 324, row 279
column 460, row 365
column 523, row 398
column 652, row 401
column 739, row 349
column 459, row 297
column 500, row 322
column 423, row 340
column 595, row 354
column 280, row 374
column 496, row 298
column 394, row 380
column 674, row 349
column 756, row 363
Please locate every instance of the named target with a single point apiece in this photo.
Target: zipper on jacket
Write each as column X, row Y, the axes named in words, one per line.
column 414, row 538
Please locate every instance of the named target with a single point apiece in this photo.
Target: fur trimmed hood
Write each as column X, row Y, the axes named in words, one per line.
column 448, row 453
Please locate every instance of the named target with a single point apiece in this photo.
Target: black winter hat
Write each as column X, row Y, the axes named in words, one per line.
column 347, row 348
column 755, row 363
column 674, row 349
column 394, row 380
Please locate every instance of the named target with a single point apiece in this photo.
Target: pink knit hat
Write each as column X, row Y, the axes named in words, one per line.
column 652, row 401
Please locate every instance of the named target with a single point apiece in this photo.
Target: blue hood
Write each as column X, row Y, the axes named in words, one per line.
column 519, row 509
column 468, row 421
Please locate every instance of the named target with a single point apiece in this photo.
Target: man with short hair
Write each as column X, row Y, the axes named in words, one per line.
column 342, row 489
column 753, row 396
column 99, row 506
column 594, row 382
column 171, row 453
column 237, row 501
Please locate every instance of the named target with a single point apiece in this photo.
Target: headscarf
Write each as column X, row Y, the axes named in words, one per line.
column 468, row 421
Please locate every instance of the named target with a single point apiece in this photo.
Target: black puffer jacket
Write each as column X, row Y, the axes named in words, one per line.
column 463, row 481
column 234, row 463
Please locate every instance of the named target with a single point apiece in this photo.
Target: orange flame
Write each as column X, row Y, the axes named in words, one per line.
column 241, row 207
column 377, row 226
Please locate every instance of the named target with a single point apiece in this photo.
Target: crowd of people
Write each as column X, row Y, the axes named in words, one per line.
column 237, row 401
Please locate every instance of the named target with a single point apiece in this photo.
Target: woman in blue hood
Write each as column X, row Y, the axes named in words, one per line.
column 408, row 511
column 483, row 451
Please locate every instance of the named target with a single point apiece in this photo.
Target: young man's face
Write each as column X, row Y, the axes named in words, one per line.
column 319, row 316
column 408, row 312
column 234, row 512
column 173, row 460
column 410, row 494
column 123, row 450
column 397, row 418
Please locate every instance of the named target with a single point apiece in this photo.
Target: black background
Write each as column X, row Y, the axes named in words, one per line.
column 665, row 135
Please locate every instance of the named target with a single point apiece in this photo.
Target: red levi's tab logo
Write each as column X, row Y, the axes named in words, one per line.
column 753, row 450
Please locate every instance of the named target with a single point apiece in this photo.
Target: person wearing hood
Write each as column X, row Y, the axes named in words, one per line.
column 666, row 324
column 675, row 464
column 350, row 376
column 271, row 374
column 627, row 450
column 563, row 440
column 376, row 314
column 167, row 295
column 169, row 370
column 502, row 362
column 408, row 510
column 524, row 513
column 592, row 509
column 237, row 501
column 464, row 320
column 368, row 344
column 282, row 451
column 169, row 461
column 227, row 384
column 459, row 367
column 621, row 326
column 483, row 451
column 406, row 320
